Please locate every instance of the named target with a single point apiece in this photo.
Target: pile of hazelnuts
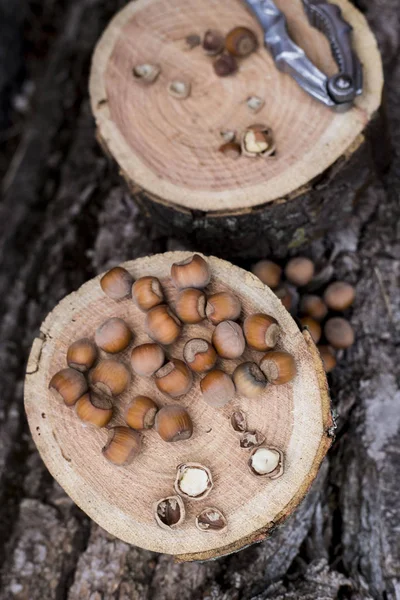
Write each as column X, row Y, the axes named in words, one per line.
column 91, row 383
column 320, row 313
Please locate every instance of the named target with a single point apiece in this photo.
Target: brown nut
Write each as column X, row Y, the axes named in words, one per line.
column 251, row 439
column 249, row 380
column 211, row 519
column 261, row 331
column 110, row 377
column 313, row 306
column 239, row 421
column 141, row 413
column 169, row 512
column 146, row 72
column 82, row 354
column 217, row 388
column 223, row 306
column 339, row 295
column 190, row 305
column 193, row 272
column 122, row 446
column 269, row 273
column 267, row 462
column 241, row 42
column 117, row 283
column 225, row 65
column 328, row 358
column 231, row 150
column 146, row 359
column 69, row 384
column 313, row 327
column 213, row 42
column 199, row 355
column 278, row 367
column 173, row 423
column 147, row 292
column 299, row 270
column 174, row 378
column 94, row 409
column 162, row 325
column 113, row 335
column 193, row 481
column 258, row 140
column 285, row 296
column 228, row 339
column 339, row 333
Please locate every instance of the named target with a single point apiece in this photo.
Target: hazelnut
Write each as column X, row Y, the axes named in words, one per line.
column 141, row 413
column 285, row 296
column 192, row 41
column 147, row 292
column 231, row 150
column 169, row 512
column 255, row 103
column 278, row 367
column 193, row 272
column 241, row 42
column 110, row 377
column 173, row 423
column 213, row 42
column 162, row 325
column 313, row 306
column 146, row 359
column 228, row 339
column 69, row 384
column 147, row 73
column 122, row 446
column 228, row 135
column 251, row 439
column 211, row 519
column 328, row 357
column 179, row 89
column 225, row 65
column 299, row 270
column 266, row 462
column 313, row 327
column 190, row 305
column 82, row 354
column 193, row 481
column 217, row 388
column 269, row 273
column 249, row 380
column 117, row 283
column 113, row 335
column 199, row 355
column 339, row 333
column 174, row 378
column 223, row 306
column 94, row 409
column 261, row 331
column 258, row 140
column 339, row 295
column 239, row 421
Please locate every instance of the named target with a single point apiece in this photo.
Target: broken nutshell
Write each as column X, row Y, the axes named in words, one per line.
column 258, row 140
column 193, row 481
column 211, row 520
column 239, row 421
column 169, row 512
column 231, row 150
column 251, row 439
column 146, row 72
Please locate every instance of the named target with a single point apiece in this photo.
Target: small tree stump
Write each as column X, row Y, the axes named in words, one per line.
column 168, row 149
column 294, row 417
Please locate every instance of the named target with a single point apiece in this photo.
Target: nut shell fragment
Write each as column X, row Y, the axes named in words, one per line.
column 251, row 439
column 239, row 421
column 169, row 512
column 146, row 72
column 179, row 89
column 258, row 140
column 193, row 481
column 211, row 520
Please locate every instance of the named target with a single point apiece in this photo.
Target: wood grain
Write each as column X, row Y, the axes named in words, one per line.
column 294, row 418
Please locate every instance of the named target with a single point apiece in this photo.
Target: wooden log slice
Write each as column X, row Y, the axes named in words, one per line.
column 168, row 149
column 294, row 417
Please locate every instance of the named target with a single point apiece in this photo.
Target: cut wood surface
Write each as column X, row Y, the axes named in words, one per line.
column 294, row 417
column 169, row 147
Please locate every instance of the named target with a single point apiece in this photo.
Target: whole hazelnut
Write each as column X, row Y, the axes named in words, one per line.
column 110, row 377
column 113, row 335
column 278, row 367
column 339, row 333
column 190, row 305
column 299, row 270
column 95, row 410
column 147, row 292
column 82, row 354
column 313, row 327
column 223, row 306
column 69, row 384
column 174, row 378
column 122, row 446
column 146, row 359
column 228, row 339
column 162, row 325
column 117, row 283
column 193, row 272
column 313, row 306
column 285, row 296
column 213, row 42
column 141, row 413
column 199, row 355
column 339, row 295
column 225, row 65
column 217, row 388
column 268, row 272
column 173, row 423
column 241, row 42
column 328, row 357
column 249, row 380
column 261, row 331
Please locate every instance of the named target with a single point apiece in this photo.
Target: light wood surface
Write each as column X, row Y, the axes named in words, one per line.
column 295, row 418
column 169, row 147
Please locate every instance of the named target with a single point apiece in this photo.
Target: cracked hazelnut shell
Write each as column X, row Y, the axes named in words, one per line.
column 193, row 481
column 211, row 520
column 225, row 65
column 266, row 462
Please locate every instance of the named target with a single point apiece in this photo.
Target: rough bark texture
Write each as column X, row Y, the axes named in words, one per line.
column 64, row 216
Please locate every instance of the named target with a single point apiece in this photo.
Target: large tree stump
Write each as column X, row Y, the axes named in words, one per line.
column 294, row 418
column 168, row 149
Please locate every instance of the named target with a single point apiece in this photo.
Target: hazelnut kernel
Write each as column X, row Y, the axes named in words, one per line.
column 146, row 73
column 313, row 327
column 141, row 413
column 269, row 273
column 223, row 306
column 110, row 377
column 190, row 305
column 313, row 306
column 339, row 333
column 261, row 331
column 179, row 89
column 339, row 295
column 192, row 272
column 69, row 384
column 146, row 359
column 241, row 42
column 199, row 355
column 213, row 42
column 328, row 358
column 228, row 339
column 94, row 409
column 266, row 462
column 258, row 140
column 147, row 293
column 278, row 367
column 211, row 520
column 82, row 354
column 225, row 65
column 249, row 380
column 217, row 388
column 173, row 423
column 174, row 378
column 122, row 446
column 113, row 335
column 255, row 103
column 169, row 512
column 299, row 270
column 162, row 325
column 193, row 481
column 117, row 283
